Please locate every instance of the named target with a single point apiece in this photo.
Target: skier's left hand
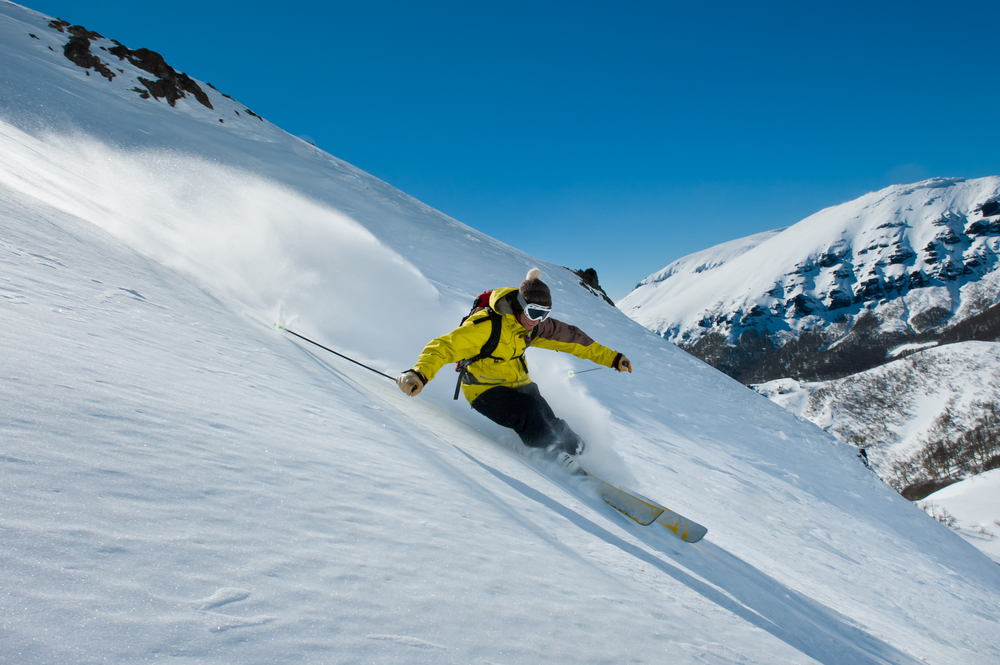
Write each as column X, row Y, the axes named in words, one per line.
column 623, row 364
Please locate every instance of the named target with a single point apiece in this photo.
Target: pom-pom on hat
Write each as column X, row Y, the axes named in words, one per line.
column 534, row 290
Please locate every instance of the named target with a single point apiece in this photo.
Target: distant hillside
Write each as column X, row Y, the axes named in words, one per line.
column 925, row 421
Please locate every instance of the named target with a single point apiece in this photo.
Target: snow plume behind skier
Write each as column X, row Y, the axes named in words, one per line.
column 570, row 398
column 489, row 347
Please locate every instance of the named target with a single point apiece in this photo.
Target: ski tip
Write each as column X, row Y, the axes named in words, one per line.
column 683, row 528
column 277, row 326
column 693, row 533
column 696, row 536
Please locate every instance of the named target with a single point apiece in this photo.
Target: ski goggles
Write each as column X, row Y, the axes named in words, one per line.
column 532, row 311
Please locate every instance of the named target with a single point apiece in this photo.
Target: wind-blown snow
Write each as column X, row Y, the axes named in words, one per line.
column 260, row 242
column 180, row 479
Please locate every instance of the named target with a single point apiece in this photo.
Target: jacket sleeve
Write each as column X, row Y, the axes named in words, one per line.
column 558, row 336
column 463, row 342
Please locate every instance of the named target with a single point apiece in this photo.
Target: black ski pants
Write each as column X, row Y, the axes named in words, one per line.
column 525, row 411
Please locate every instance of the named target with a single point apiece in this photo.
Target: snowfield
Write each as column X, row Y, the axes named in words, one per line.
column 972, row 508
column 179, row 478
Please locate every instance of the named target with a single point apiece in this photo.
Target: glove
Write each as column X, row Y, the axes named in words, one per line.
column 622, row 364
column 410, row 382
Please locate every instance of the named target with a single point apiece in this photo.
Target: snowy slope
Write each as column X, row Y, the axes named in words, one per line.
column 179, row 479
column 972, row 508
column 706, row 260
column 916, row 256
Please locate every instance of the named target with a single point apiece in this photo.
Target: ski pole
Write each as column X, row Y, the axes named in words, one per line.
column 280, row 327
column 572, row 373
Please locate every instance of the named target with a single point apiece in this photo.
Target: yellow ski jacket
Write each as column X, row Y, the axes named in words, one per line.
column 506, row 365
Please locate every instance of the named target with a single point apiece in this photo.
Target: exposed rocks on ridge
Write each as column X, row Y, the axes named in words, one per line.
column 169, row 84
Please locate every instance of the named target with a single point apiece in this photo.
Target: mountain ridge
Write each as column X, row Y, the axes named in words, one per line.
column 903, row 264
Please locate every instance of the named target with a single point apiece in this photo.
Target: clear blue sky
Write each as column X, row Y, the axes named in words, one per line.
column 616, row 135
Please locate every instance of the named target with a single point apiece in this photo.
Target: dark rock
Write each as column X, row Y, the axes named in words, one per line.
column 755, row 311
column 170, row 84
column 949, row 270
column 901, row 255
column 588, row 277
column 869, row 289
column 931, row 253
column 983, row 227
column 828, row 260
column 917, row 280
column 83, row 33
column 161, row 89
column 990, row 208
column 949, row 237
column 978, row 228
column 77, row 51
column 838, row 299
column 799, row 306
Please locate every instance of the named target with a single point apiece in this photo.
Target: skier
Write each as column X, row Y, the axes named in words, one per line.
column 497, row 385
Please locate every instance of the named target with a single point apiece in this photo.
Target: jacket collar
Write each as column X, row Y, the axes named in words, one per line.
column 499, row 301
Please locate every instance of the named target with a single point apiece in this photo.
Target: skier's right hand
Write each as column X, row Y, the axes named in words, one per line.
column 410, row 382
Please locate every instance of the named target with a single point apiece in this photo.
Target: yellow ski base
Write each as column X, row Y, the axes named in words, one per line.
column 646, row 512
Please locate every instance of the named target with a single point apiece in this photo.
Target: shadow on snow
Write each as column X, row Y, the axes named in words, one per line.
column 735, row 585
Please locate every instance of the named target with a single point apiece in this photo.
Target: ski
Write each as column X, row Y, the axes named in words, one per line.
column 645, row 511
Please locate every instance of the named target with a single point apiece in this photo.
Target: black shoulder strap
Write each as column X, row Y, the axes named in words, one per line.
column 491, row 344
column 488, row 348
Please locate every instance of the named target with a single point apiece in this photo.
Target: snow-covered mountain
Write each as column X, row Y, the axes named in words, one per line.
column 833, row 293
column 179, row 479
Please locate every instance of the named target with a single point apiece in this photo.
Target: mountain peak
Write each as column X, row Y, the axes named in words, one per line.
column 906, row 259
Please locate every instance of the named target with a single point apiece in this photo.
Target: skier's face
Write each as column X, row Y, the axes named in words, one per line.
column 527, row 323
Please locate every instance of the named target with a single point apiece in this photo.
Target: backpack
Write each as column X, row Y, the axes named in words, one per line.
column 482, row 301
